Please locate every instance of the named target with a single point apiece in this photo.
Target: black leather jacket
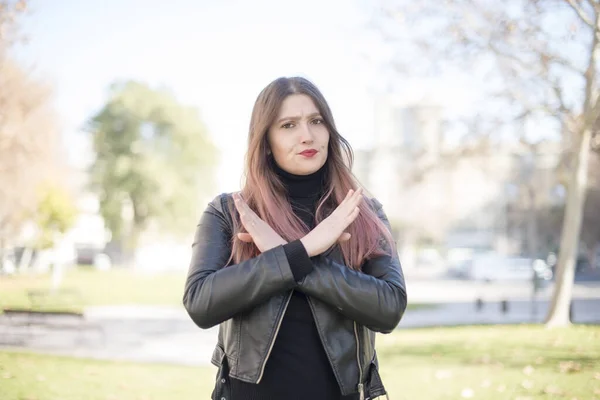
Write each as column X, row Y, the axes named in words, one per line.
column 249, row 300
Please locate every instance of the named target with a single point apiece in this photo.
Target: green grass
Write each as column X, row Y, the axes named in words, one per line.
column 25, row 376
column 495, row 363
column 82, row 287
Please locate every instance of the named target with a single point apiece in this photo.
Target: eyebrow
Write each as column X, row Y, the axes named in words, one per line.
column 316, row 114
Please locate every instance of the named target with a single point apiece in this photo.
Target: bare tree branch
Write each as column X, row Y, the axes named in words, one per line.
column 581, row 13
column 566, row 64
column 595, row 4
column 558, row 91
column 512, row 57
column 526, row 59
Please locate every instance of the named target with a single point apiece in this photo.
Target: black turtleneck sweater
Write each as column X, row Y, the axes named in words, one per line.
column 298, row 368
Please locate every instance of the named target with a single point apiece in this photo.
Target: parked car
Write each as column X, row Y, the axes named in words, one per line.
column 94, row 256
column 494, row 268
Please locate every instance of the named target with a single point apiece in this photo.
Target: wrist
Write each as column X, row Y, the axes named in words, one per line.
column 308, row 246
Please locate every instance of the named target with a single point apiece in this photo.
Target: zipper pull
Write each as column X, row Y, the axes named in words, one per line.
column 361, row 391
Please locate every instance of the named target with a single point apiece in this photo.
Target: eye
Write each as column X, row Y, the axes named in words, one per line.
column 317, row 121
column 287, row 125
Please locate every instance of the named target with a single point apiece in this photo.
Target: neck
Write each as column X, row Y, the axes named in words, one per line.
column 302, row 186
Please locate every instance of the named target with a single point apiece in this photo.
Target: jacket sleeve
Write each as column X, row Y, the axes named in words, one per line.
column 215, row 292
column 375, row 297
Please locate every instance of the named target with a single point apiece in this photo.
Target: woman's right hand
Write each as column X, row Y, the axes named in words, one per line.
column 259, row 232
column 331, row 229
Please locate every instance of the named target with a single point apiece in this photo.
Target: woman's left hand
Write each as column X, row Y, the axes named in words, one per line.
column 331, row 229
column 257, row 227
column 259, row 232
column 246, row 237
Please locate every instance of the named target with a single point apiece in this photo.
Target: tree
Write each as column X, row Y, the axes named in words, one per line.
column 590, row 230
column 55, row 214
column 29, row 139
column 153, row 161
column 10, row 12
column 539, row 62
column 550, row 218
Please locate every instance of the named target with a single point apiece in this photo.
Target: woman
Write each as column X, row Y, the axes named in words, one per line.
column 299, row 268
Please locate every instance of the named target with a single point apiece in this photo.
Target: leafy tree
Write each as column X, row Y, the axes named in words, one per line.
column 154, row 161
column 29, row 139
column 55, row 214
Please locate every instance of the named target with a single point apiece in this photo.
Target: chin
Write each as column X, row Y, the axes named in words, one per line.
column 306, row 171
column 309, row 169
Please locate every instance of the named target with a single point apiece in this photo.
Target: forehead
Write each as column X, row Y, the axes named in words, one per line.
column 297, row 105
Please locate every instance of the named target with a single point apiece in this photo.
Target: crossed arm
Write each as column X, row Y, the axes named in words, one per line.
column 374, row 297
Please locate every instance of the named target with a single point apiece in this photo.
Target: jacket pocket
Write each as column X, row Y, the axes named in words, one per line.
column 375, row 386
column 218, row 356
column 221, row 390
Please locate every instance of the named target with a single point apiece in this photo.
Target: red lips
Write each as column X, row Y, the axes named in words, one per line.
column 309, row 153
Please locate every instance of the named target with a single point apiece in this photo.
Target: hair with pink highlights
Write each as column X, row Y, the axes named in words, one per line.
column 266, row 195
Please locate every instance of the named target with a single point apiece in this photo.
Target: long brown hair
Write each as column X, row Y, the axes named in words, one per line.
column 266, row 195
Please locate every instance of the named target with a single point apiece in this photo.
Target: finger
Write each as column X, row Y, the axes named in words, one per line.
column 353, row 195
column 247, row 216
column 353, row 215
column 245, row 237
column 342, row 208
column 352, row 200
column 249, row 223
column 247, row 210
column 237, row 200
column 344, row 237
column 245, row 219
column 348, row 196
column 356, row 199
column 358, row 194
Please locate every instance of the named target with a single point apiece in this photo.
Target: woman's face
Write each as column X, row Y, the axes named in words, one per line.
column 298, row 138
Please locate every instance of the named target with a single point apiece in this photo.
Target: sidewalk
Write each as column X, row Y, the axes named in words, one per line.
column 167, row 335
column 456, row 291
column 132, row 333
column 585, row 311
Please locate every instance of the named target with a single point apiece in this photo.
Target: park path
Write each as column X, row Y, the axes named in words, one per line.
column 166, row 334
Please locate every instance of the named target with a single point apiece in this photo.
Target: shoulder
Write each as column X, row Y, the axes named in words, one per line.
column 220, row 203
column 221, row 207
column 374, row 203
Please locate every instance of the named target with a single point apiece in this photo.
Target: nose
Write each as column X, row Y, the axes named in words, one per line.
column 306, row 134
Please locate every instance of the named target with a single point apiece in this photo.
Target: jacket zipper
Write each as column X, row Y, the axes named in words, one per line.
column 361, row 389
column 262, row 369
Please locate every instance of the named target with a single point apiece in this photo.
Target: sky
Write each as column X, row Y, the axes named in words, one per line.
column 213, row 55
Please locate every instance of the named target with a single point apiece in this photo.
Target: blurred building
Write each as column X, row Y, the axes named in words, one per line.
column 481, row 200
